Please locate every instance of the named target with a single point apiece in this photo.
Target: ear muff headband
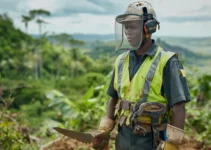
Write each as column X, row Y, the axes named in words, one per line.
column 150, row 24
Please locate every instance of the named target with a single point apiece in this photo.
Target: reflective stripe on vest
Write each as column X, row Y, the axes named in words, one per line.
column 120, row 71
column 146, row 83
column 150, row 76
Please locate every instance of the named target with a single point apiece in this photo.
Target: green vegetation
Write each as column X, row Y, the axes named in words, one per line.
column 54, row 81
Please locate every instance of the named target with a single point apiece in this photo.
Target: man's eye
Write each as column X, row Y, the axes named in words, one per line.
column 128, row 27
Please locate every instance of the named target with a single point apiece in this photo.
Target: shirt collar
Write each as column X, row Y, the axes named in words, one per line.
column 150, row 52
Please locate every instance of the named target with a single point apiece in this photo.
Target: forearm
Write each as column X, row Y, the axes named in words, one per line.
column 111, row 108
column 178, row 115
column 107, row 124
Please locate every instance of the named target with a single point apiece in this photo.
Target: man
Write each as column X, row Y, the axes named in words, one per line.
column 148, row 89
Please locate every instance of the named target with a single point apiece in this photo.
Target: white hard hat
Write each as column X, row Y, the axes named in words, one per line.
column 129, row 27
column 136, row 8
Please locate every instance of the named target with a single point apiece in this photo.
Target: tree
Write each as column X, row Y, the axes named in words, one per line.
column 73, row 41
column 67, row 40
column 62, row 39
column 12, row 48
column 26, row 20
column 35, row 14
column 75, row 54
column 40, row 22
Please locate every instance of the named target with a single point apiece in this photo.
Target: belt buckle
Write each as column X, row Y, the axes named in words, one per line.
column 131, row 107
column 139, row 129
column 120, row 104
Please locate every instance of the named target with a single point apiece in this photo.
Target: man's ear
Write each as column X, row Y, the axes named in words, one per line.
column 144, row 36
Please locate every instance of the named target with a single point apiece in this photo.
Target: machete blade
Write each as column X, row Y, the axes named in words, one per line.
column 79, row 136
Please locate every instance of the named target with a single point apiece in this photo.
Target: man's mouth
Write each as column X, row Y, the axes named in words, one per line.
column 129, row 39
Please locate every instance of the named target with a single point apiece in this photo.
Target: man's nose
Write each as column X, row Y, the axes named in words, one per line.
column 128, row 32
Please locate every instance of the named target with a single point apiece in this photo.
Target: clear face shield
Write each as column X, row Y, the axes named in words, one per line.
column 128, row 32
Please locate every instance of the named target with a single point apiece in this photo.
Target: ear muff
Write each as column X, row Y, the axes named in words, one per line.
column 150, row 23
column 150, row 26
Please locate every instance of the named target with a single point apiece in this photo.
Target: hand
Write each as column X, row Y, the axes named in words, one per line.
column 101, row 138
column 174, row 139
column 167, row 145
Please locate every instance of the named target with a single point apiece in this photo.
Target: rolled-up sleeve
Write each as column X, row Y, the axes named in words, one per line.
column 175, row 86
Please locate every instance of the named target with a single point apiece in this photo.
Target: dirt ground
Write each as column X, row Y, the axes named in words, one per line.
column 66, row 143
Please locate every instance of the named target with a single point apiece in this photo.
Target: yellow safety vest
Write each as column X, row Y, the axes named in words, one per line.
column 146, row 83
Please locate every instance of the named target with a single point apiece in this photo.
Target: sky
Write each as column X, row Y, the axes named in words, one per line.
column 183, row 18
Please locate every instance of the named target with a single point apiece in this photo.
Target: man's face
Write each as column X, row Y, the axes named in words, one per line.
column 133, row 31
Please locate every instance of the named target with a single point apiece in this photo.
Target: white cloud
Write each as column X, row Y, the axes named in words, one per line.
column 50, row 5
column 80, row 23
column 97, row 16
column 185, row 29
column 177, row 7
column 60, row 5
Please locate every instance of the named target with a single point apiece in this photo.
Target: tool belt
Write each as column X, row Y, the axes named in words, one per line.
column 142, row 118
column 147, row 116
column 123, row 110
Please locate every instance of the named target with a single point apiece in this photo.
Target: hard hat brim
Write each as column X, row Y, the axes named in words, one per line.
column 128, row 17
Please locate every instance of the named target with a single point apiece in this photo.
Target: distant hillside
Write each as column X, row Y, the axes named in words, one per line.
column 9, row 35
column 107, row 48
column 87, row 37
column 198, row 45
column 194, row 44
column 93, row 37
column 184, row 53
column 189, row 49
